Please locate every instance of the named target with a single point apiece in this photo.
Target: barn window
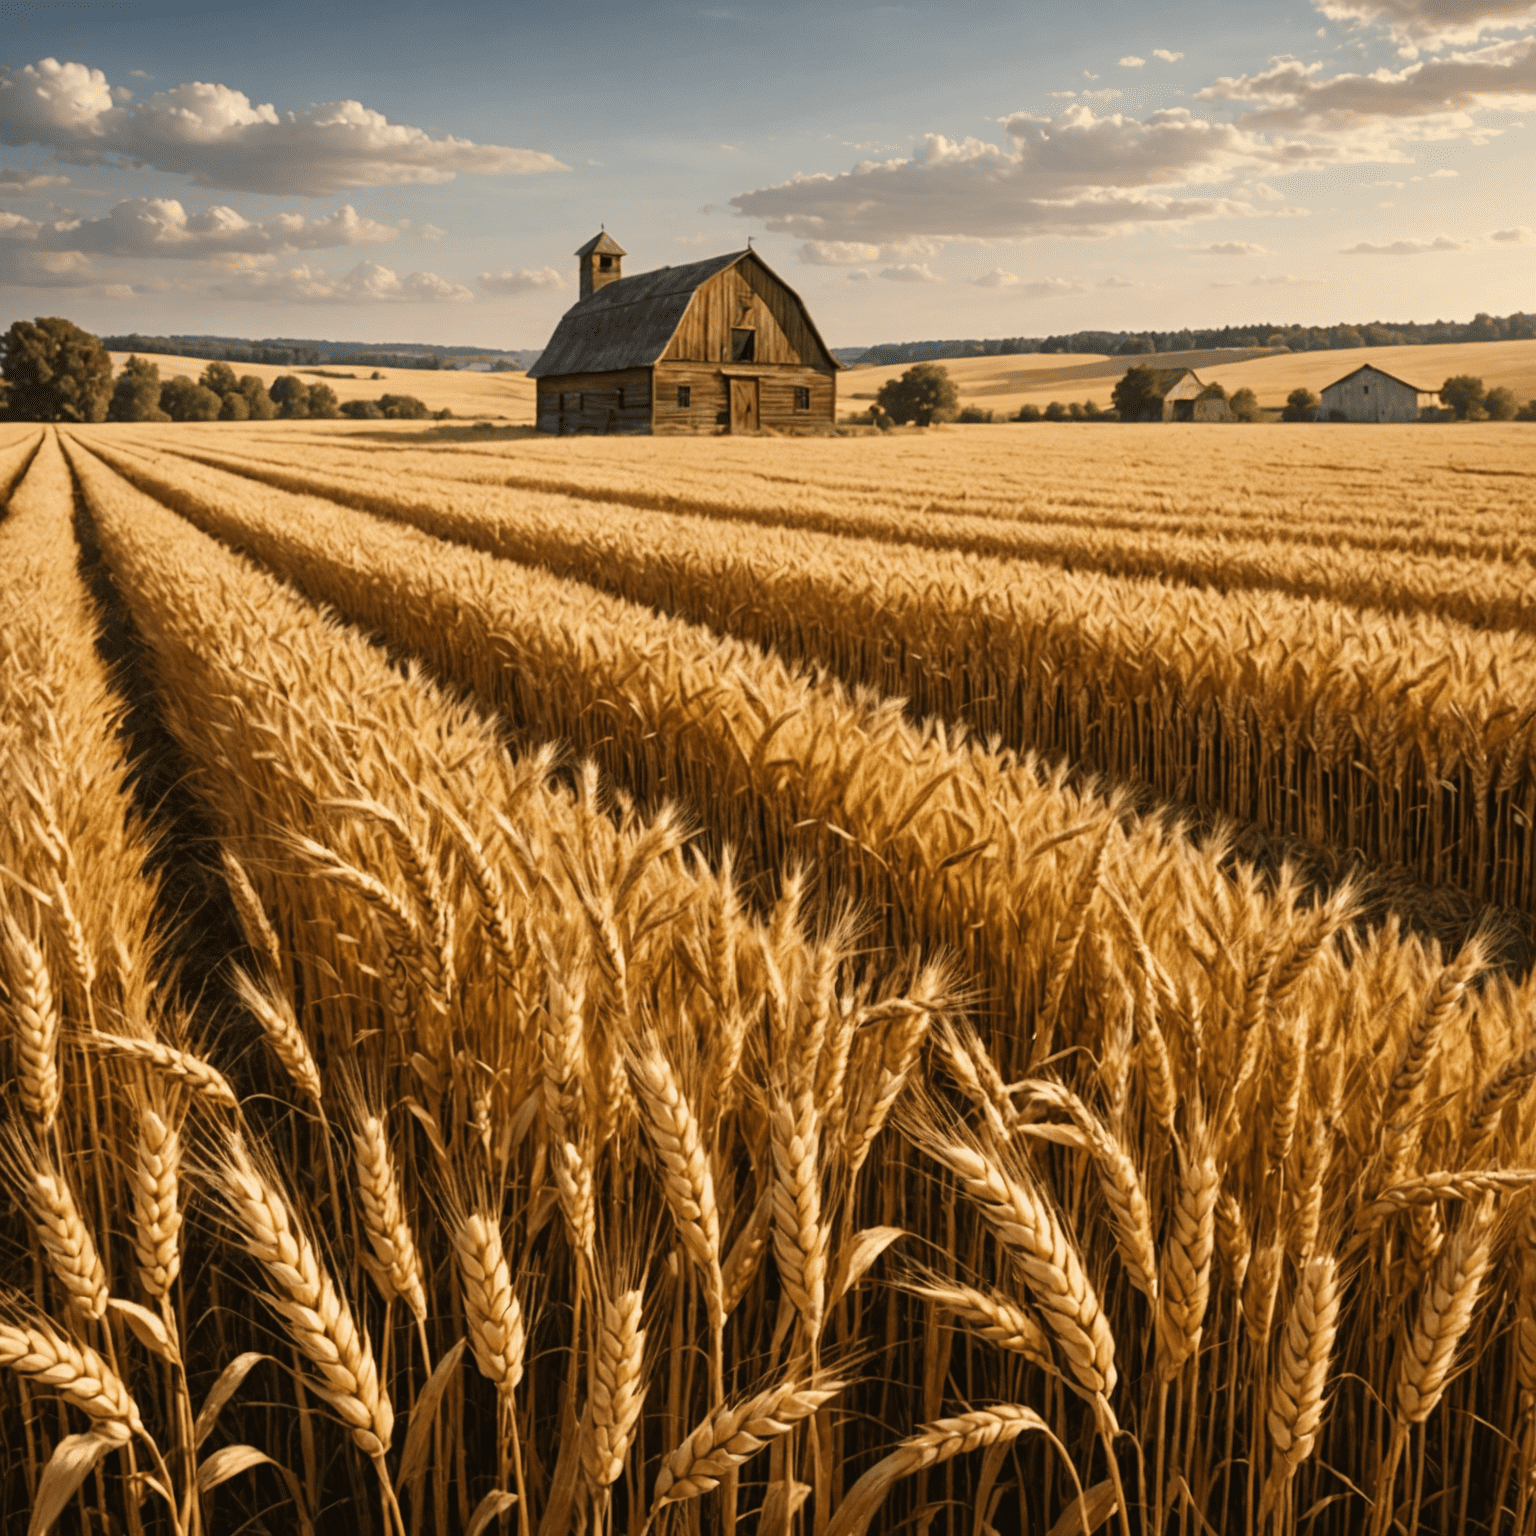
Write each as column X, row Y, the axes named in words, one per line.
column 684, row 396
column 621, row 397
column 722, row 418
column 802, row 398
column 581, row 402
column 605, row 263
column 743, row 346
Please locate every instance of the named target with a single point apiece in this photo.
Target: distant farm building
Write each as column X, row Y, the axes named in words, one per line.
column 721, row 345
column 1369, row 394
column 1179, row 388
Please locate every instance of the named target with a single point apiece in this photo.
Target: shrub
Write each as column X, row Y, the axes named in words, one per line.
column 136, row 395
column 1464, row 394
column 403, row 408
column 1501, row 404
column 258, row 402
column 182, row 400
column 323, row 403
column 1092, row 411
column 1300, row 405
column 1527, row 412
column 925, row 393
column 972, row 414
column 1137, row 397
column 290, row 394
column 1244, row 405
column 54, row 371
column 235, row 407
column 361, row 410
column 1055, row 411
column 1028, row 413
column 1213, row 392
column 443, row 415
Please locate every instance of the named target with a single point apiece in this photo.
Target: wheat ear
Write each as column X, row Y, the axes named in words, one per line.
column 799, row 1237
column 731, row 1435
column 283, row 1035
column 396, row 1266
column 67, row 1242
column 304, row 1296
column 1187, row 1259
column 1029, row 1230
column 205, row 1080
column 998, row 1320
column 156, row 1203
column 37, row 1027
column 617, row 1391
column 77, row 1373
column 259, row 932
column 491, row 1308
column 1301, row 1374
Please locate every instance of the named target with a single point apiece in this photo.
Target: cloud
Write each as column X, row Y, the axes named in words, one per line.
column 1516, row 236
column 1228, row 248
column 838, row 253
column 1266, row 193
column 1434, row 24
column 216, row 136
column 1405, row 247
column 1109, row 93
column 527, row 281
column 1076, row 174
column 996, row 278
column 431, row 232
column 14, row 183
column 23, row 266
column 366, row 283
column 858, row 277
column 1284, row 280
column 1130, row 61
column 1439, row 93
column 1442, row 175
column 162, row 227
column 1166, row 56
column 1116, row 281
column 1050, row 288
column 910, row 272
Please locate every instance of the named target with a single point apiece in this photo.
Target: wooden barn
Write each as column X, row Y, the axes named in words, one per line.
column 722, row 345
column 1370, row 394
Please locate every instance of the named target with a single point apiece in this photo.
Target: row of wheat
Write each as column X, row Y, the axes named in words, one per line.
column 1484, row 592
column 543, row 1083
column 1404, row 739
column 1407, row 498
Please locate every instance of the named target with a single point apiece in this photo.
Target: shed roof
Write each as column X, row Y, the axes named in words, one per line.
column 603, row 244
column 1418, row 389
column 628, row 323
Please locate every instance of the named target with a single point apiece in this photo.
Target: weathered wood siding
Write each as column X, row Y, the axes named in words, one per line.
column 745, row 297
column 617, row 402
column 708, row 409
column 1369, row 396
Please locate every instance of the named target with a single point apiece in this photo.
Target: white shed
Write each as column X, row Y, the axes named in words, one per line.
column 1369, row 394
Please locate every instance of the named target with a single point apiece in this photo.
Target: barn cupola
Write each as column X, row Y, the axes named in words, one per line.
column 601, row 261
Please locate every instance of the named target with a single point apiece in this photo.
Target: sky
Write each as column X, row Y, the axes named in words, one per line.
column 425, row 171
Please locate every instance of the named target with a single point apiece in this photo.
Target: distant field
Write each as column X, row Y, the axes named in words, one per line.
column 509, row 396
column 1003, row 384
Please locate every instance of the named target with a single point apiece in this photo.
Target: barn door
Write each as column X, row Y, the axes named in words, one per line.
column 743, row 405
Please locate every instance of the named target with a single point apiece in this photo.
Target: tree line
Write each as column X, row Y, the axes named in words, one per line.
column 52, row 370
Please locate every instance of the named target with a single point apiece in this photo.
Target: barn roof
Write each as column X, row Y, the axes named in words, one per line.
column 628, row 323
column 1418, row 389
column 603, row 244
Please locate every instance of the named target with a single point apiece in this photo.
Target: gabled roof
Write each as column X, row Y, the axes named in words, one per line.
column 1372, row 368
column 628, row 323
column 604, row 245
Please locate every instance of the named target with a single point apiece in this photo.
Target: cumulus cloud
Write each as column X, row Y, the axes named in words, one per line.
column 1076, row 174
column 1284, row 280
column 14, row 183
column 529, row 280
column 162, row 227
column 1405, row 247
column 1227, row 248
column 431, row 232
column 1434, row 24
column 1516, row 236
column 366, row 283
column 1438, row 94
column 1166, row 56
column 858, row 277
column 1050, row 288
column 218, row 137
column 910, row 272
column 1130, row 61
column 1116, row 281
column 23, row 266
column 838, row 253
column 996, row 278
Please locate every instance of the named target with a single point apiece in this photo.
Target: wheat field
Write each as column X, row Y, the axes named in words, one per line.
column 970, row 982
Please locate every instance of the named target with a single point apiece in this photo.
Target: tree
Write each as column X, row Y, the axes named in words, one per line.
column 182, row 400
column 54, row 371
column 1028, row 413
column 1055, row 411
column 1300, row 405
column 1134, row 346
column 136, row 395
column 220, row 378
column 323, row 402
column 925, row 393
column 361, row 410
column 1463, row 394
column 290, row 395
column 258, row 401
column 1213, row 392
column 235, row 407
column 403, row 408
column 1501, row 404
column 1244, row 405
column 1136, row 397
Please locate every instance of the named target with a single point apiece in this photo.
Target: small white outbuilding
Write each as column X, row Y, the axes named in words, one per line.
column 1371, row 394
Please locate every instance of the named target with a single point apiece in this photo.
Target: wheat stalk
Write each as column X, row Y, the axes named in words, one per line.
column 37, row 1027
column 1301, row 1374
column 204, row 1079
column 157, row 1202
column 396, row 1266
column 281, row 1029
column 491, row 1308
column 77, row 1373
column 800, row 1239
column 67, row 1242
column 617, row 1391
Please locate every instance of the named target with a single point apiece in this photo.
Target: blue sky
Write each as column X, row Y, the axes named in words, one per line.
column 424, row 171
